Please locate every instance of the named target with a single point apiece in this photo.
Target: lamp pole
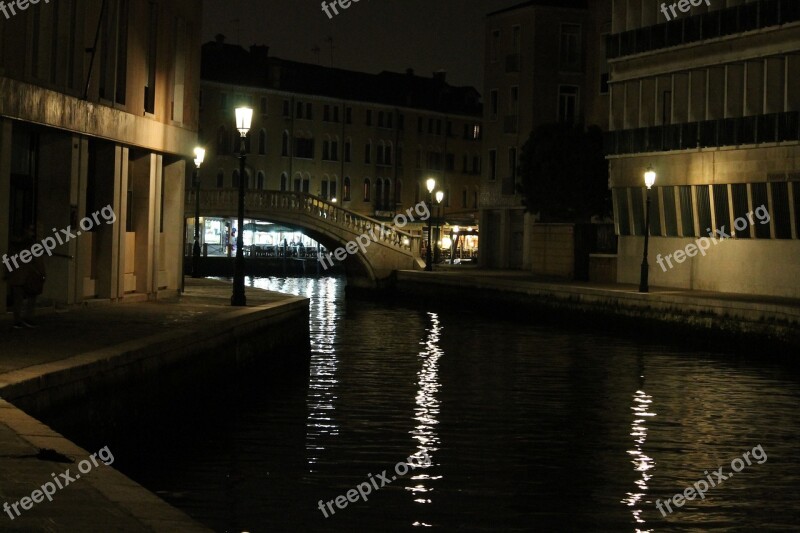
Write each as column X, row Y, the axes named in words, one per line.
column 198, row 160
column 437, row 252
column 430, row 184
column 244, row 117
column 649, row 180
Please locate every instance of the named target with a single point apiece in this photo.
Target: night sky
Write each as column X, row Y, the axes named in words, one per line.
column 370, row 36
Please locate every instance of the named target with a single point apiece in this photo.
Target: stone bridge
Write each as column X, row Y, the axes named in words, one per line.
column 331, row 225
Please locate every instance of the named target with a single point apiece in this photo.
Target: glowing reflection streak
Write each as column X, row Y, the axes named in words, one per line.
column 641, row 462
column 322, row 386
column 427, row 409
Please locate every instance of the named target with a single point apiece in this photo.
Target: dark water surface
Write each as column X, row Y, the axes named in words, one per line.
column 528, row 428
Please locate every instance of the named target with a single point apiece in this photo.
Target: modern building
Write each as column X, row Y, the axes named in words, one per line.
column 543, row 64
column 98, row 115
column 369, row 141
column 708, row 99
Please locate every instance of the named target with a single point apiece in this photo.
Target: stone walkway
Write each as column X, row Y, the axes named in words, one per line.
column 101, row 499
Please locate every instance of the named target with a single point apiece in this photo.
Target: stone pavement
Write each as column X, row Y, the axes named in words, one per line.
column 102, row 499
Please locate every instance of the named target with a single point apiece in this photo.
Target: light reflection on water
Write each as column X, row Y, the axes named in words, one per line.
column 529, row 428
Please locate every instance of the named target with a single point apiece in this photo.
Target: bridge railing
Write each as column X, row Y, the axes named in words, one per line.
column 313, row 206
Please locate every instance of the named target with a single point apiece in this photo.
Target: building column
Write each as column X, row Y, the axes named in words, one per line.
column 174, row 204
column 5, row 200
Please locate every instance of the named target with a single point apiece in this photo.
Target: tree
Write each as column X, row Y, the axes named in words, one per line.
column 564, row 173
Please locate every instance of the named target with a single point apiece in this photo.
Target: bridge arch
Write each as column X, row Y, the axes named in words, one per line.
column 389, row 249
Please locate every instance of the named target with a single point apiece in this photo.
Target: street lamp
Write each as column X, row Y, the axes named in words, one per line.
column 244, row 117
column 430, row 184
column 437, row 251
column 199, row 155
column 649, row 180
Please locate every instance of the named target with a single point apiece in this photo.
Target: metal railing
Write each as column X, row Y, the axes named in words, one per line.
column 262, row 203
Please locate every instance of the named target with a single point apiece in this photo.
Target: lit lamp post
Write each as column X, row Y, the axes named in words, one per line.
column 454, row 231
column 649, row 180
column 199, row 154
column 244, row 117
column 437, row 251
column 430, row 184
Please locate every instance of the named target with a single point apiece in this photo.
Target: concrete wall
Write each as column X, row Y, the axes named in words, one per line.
column 747, row 266
column 551, row 249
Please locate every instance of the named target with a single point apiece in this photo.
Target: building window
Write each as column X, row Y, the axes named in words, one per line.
column 380, row 119
column 389, row 120
column 152, row 55
column 220, row 179
column 285, row 144
column 781, row 219
column 623, row 214
column 310, row 111
column 570, row 53
column 299, row 110
column 369, row 117
column 670, row 214
column 420, row 123
column 284, row 180
column 326, row 113
column 262, row 142
column 513, row 105
column 515, row 38
column 347, row 150
column 367, row 188
column 304, row 148
column 687, row 210
column 336, row 113
column 222, row 141
column 286, row 108
column 326, row 149
column 387, row 154
column 476, row 164
column 260, row 184
column 567, row 103
column 512, row 163
column 492, row 165
column 495, row 46
column 493, row 104
column 235, row 179
column 348, row 115
column 368, row 152
column 335, row 149
column 346, row 189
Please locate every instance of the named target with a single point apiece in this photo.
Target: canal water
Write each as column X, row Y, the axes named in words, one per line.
column 527, row 428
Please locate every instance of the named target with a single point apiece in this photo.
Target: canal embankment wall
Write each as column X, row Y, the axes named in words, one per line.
column 86, row 361
column 716, row 320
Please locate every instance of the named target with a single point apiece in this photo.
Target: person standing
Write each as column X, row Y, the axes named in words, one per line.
column 26, row 283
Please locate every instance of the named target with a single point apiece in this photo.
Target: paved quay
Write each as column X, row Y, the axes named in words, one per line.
column 71, row 346
column 747, row 316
